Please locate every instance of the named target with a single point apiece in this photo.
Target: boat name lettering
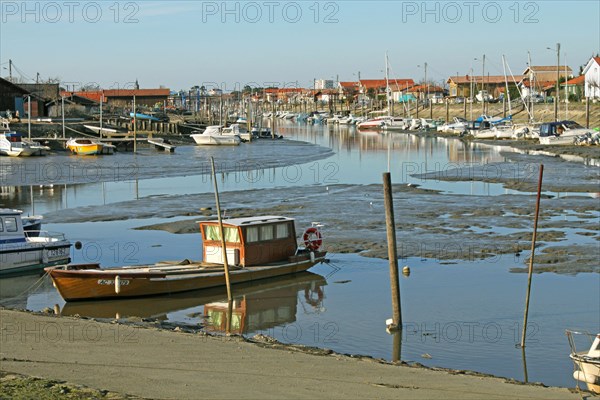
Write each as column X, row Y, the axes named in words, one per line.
column 58, row 252
column 122, row 282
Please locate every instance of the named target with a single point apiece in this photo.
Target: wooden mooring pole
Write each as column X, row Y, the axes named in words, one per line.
column 587, row 113
column 392, row 251
column 535, row 224
column 221, row 231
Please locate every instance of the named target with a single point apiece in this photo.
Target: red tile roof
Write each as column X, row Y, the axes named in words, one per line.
column 381, row 83
column 547, row 68
column 97, row 94
column 349, row 84
column 576, row 81
column 425, row 88
column 466, row 79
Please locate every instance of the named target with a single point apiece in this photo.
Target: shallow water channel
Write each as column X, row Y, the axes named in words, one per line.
column 457, row 314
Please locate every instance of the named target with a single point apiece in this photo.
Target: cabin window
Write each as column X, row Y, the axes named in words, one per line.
column 266, row 232
column 1, row 225
column 282, row 231
column 212, row 233
column 11, row 224
column 252, row 234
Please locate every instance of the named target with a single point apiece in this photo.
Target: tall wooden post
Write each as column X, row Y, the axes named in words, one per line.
column 465, row 109
column 447, row 111
column 392, row 251
column 221, row 231
column 535, row 224
column 587, row 112
column 430, row 109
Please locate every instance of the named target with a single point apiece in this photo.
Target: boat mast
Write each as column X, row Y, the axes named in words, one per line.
column 506, row 83
column 387, row 83
column 101, row 100
column 531, row 87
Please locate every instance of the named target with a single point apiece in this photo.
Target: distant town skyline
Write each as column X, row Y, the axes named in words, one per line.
column 181, row 44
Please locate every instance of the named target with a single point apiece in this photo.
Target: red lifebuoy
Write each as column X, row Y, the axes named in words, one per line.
column 312, row 239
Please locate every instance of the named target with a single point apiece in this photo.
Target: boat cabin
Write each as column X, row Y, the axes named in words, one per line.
column 250, row 241
column 11, row 227
column 557, row 128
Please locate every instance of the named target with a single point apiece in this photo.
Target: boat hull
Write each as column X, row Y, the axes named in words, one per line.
column 588, row 372
column 216, row 140
column 26, row 257
column 94, row 283
column 86, row 150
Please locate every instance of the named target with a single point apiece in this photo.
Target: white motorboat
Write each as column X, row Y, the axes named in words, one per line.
column 586, row 363
column 561, row 132
column 396, row 123
column 12, row 144
column 22, row 251
column 458, row 125
column 217, row 135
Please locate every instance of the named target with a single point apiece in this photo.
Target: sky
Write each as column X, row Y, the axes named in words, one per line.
column 180, row 44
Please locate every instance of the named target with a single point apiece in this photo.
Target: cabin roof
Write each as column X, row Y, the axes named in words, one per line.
column 249, row 221
column 9, row 211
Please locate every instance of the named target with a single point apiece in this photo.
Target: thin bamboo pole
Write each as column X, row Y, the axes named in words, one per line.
column 535, row 224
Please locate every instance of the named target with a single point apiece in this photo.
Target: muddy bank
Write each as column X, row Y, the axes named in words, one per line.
column 187, row 364
column 247, row 160
column 521, row 172
column 429, row 225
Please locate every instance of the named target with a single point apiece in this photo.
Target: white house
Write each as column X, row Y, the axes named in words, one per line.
column 592, row 78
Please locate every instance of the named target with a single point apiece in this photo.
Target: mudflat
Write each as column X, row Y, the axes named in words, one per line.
column 156, row 363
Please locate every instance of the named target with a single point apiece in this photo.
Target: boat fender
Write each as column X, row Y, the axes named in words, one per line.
column 587, row 378
column 117, row 284
column 312, row 256
column 312, row 243
column 45, row 256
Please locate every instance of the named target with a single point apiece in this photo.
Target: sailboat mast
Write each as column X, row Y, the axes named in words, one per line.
column 387, row 83
column 531, row 87
column 506, row 83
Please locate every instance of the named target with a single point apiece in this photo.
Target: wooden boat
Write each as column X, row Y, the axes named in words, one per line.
column 256, row 248
column 89, row 147
column 22, row 251
column 587, row 363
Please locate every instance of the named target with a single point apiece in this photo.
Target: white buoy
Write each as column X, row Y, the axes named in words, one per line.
column 406, row 270
column 117, row 284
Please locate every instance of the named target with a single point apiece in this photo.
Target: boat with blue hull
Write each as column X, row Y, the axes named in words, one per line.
column 24, row 251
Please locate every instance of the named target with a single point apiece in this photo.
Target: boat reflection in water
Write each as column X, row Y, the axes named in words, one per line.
column 256, row 305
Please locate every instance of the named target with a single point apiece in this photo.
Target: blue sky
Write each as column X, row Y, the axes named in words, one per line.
column 179, row 44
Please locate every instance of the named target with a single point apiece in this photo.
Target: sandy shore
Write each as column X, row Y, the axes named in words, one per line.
column 155, row 363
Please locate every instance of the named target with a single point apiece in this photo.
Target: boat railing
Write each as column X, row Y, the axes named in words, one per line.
column 573, row 336
column 44, row 236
